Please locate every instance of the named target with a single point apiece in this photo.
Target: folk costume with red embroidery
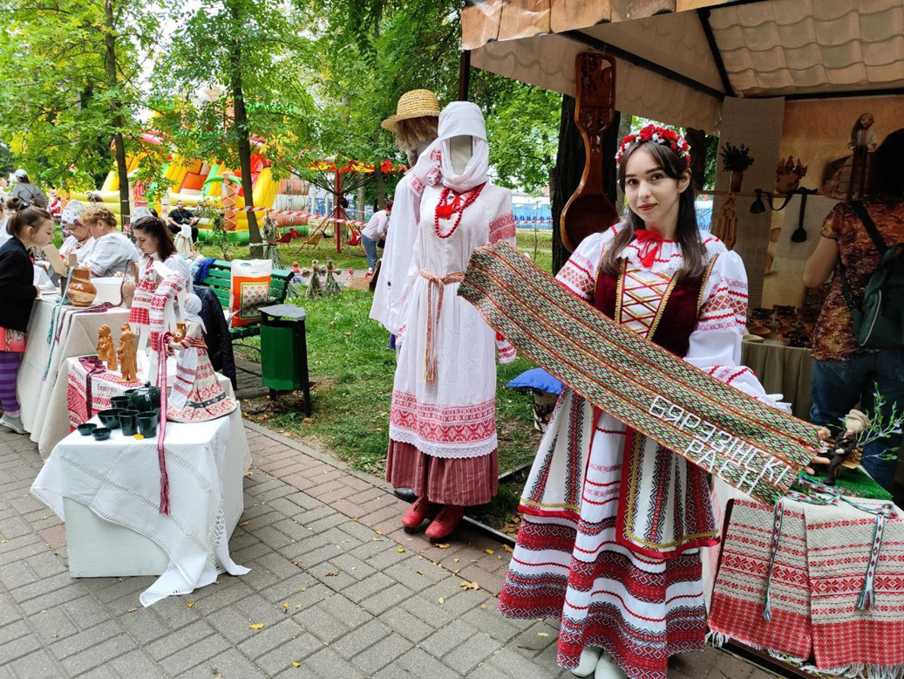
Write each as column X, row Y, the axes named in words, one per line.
column 442, row 425
column 612, row 522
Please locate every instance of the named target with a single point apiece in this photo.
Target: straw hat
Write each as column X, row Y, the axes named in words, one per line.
column 413, row 104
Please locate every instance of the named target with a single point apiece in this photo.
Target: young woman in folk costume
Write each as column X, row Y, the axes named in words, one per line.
column 442, row 426
column 613, row 523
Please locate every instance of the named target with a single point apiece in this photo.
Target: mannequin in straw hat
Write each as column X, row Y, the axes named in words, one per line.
column 414, row 128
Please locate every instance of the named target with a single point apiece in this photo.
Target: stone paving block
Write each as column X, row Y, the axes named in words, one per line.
column 321, row 624
column 281, row 657
column 85, row 612
column 295, row 530
column 144, row 625
column 371, row 659
column 290, row 587
column 195, row 654
column 175, row 611
column 312, row 557
column 416, row 573
column 427, row 611
column 136, row 665
column 344, row 609
column 285, row 506
column 17, row 574
column 46, row 564
column 332, row 576
column 42, row 586
column 368, row 587
column 494, row 624
column 304, row 500
column 53, row 625
column 513, row 664
column 15, row 631
column 103, row 653
column 52, row 599
column 407, row 625
column 447, row 638
column 231, row 623
column 386, row 599
column 176, row 641
column 269, row 638
column 357, row 530
column 467, row 656
column 8, row 611
column 78, row 642
column 353, row 566
column 419, row 664
column 272, row 537
column 327, row 663
column 314, row 514
column 365, row 636
column 124, row 586
column 387, row 557
column 251, row 552
column 224, row 592
column 227, row 665
column 462, row 601
column 535, row 639
column 37, row 665
column 257, row 609
column 14, row 527
column 307, row 597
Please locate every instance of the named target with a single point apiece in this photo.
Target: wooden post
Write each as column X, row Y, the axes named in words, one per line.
column 697, row 140
column 338, row 210
column 464, row 74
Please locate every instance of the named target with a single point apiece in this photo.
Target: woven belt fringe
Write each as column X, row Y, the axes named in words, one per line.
column 748, row 444
column 436, row 288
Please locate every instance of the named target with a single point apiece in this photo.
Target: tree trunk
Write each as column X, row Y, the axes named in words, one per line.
column 118, row 141
column 570, row 165
column 240, row 127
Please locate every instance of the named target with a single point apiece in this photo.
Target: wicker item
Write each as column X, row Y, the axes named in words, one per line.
column 413, row 104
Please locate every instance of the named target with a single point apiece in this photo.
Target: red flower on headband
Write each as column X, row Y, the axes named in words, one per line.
column 659, row 135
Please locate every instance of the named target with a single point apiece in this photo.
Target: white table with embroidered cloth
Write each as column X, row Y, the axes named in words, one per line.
column 119, row 482
column 56, row 333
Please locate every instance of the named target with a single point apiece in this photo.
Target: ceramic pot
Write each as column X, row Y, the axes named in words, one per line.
column 144, row 398
column 128, row 420
column 147, row 423
column 81, row 290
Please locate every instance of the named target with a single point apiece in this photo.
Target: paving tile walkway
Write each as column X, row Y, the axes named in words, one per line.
column 336, row 590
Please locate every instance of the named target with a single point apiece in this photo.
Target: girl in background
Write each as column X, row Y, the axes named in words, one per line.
column 28, row 227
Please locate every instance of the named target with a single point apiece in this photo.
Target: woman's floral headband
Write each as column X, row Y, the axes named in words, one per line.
column 658, row 135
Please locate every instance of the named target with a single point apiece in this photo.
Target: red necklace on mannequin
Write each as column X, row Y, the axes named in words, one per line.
column 446, row 209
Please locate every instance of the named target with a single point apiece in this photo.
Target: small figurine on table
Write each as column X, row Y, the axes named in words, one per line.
column 128, row 354
column 106, row 350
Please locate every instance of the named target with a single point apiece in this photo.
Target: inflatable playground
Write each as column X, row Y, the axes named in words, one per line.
column 210, row 187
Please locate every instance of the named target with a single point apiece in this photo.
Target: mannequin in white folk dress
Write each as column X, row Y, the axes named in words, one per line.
column 443, row 418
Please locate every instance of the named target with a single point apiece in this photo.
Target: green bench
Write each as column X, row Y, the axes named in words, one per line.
column 219, row 279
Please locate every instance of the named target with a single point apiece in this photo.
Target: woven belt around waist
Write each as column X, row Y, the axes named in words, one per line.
column 436, row 287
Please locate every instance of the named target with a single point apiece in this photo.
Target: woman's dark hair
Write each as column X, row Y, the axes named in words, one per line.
column 888, row 177
column 688, row 233
column 154, row 226
column 25, row 215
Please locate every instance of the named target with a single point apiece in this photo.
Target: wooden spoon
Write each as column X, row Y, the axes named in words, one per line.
column 589, row 210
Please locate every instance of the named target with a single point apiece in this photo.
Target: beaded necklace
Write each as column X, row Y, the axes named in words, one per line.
column 446, row 209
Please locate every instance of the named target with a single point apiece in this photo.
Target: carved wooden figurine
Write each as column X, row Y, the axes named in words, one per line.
column 128, row 351
column 106, row 350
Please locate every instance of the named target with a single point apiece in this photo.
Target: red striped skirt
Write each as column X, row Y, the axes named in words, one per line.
column 462, row 482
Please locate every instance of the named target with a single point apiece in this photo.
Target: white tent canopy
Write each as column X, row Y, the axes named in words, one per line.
column 677, row 67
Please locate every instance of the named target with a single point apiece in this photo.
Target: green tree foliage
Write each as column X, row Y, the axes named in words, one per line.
column 232, row 77
column 366, row 53
column 59, row 109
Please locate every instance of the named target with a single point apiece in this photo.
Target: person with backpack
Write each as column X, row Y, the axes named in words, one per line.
column 858, row 343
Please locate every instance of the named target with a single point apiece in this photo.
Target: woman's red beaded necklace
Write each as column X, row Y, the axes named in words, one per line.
column 445, row 209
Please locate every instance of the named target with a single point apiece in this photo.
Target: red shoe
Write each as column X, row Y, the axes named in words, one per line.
column 419, row 510
column 445, row 523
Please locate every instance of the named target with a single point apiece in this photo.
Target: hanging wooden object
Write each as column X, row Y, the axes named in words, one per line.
column 589, row 209
column 726, row 226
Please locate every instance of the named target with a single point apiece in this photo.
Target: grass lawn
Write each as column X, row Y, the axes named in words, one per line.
column 536, row 244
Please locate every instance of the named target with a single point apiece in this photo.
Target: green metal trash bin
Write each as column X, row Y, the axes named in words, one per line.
column 284, row 351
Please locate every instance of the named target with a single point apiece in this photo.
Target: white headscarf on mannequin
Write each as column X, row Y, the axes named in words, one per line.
column 434, row 166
